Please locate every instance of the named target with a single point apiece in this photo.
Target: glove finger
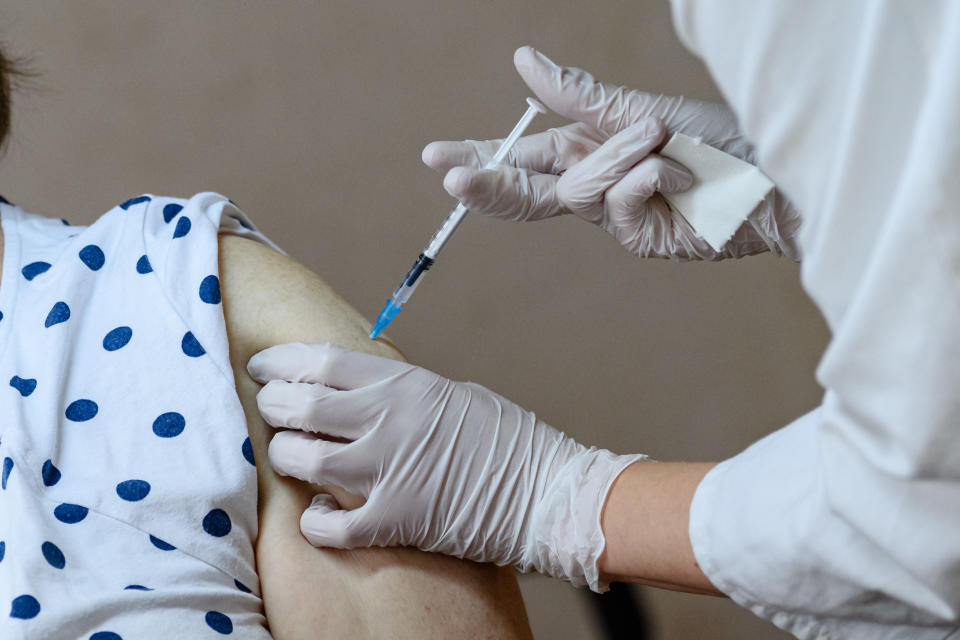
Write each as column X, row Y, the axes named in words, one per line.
column 584, row 185
column 325, row 364
column 551, row 151
column 291, row 361
column 312, row 459
column 661, row 232
column 325, row 524
column 505, row 193
column 314, row 408
column 632, row 213
column 625, row 200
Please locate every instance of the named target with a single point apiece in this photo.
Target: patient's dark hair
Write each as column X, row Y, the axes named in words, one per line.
column 12, row 71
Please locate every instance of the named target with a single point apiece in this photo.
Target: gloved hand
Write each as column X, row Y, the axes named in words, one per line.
column 445, row 466
column 603, row 168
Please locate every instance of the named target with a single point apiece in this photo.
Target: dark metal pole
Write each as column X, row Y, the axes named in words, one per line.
column 619, row 612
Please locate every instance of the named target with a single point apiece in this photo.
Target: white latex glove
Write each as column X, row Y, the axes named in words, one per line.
column 603, row 168
column 445, row 466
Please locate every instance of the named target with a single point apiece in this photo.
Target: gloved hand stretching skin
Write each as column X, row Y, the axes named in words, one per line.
column 603, row 168
column 445, row 466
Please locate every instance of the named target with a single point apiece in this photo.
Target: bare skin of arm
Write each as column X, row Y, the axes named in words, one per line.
column 365, row 593
column 646, row 523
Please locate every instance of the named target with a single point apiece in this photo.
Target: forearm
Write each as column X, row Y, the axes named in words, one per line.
column 645, row 522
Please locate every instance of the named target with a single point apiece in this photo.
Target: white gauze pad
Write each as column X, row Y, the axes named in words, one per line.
column 725, row 189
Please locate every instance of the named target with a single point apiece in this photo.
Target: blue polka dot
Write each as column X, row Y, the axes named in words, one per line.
column 1, row 315
column 160, row 544
column 132, row 201
column 105, row 635
column 217, row 523
column 4, row 200
column 143, row 265
column 92, row 256
column 247, row 450
column 24, row 607
column 243, row 223
column 210, row 290
column 191, row 346
column 81, row 410
column 3, row 549
column 50, row 474
column 34, row 269
column 64, row 221
column 59, row 313
column 137, row 587
column 168, row 425
column 24, row 385
column 170, row 211
column 70, row 513
column 242, row 586
column 117, row 338
column 133, row 490
column 219, row 622
column 7, row 468
column 183, row 227
column 53, row 555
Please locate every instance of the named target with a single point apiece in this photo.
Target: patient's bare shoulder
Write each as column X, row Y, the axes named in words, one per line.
column 278, row 296
column 369, row 593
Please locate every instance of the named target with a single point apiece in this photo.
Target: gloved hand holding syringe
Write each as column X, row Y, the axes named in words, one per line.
column 426, row 259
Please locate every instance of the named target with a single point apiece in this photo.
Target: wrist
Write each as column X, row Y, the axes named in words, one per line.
column 645, row 521
column 564, row 538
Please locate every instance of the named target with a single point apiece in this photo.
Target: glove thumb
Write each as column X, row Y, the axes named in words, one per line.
column 325, row 524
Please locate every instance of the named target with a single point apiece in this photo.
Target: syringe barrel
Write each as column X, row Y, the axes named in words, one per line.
column 446, row 230
column 410, row 281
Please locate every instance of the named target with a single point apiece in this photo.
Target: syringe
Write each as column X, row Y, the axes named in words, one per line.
column 426, row 259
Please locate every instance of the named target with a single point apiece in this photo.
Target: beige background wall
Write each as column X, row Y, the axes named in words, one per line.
column 312, row 115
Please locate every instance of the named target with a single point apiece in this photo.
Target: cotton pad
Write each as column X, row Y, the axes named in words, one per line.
column 725, row 189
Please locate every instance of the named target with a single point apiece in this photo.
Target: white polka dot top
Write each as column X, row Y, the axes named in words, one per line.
column 128, row 503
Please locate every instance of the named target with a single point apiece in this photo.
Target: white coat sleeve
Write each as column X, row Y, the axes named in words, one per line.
column 846, row 523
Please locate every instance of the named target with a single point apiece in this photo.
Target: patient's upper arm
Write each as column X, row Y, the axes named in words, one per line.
column 377, row 593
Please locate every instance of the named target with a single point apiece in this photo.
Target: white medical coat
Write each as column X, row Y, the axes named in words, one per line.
column 846, row 523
